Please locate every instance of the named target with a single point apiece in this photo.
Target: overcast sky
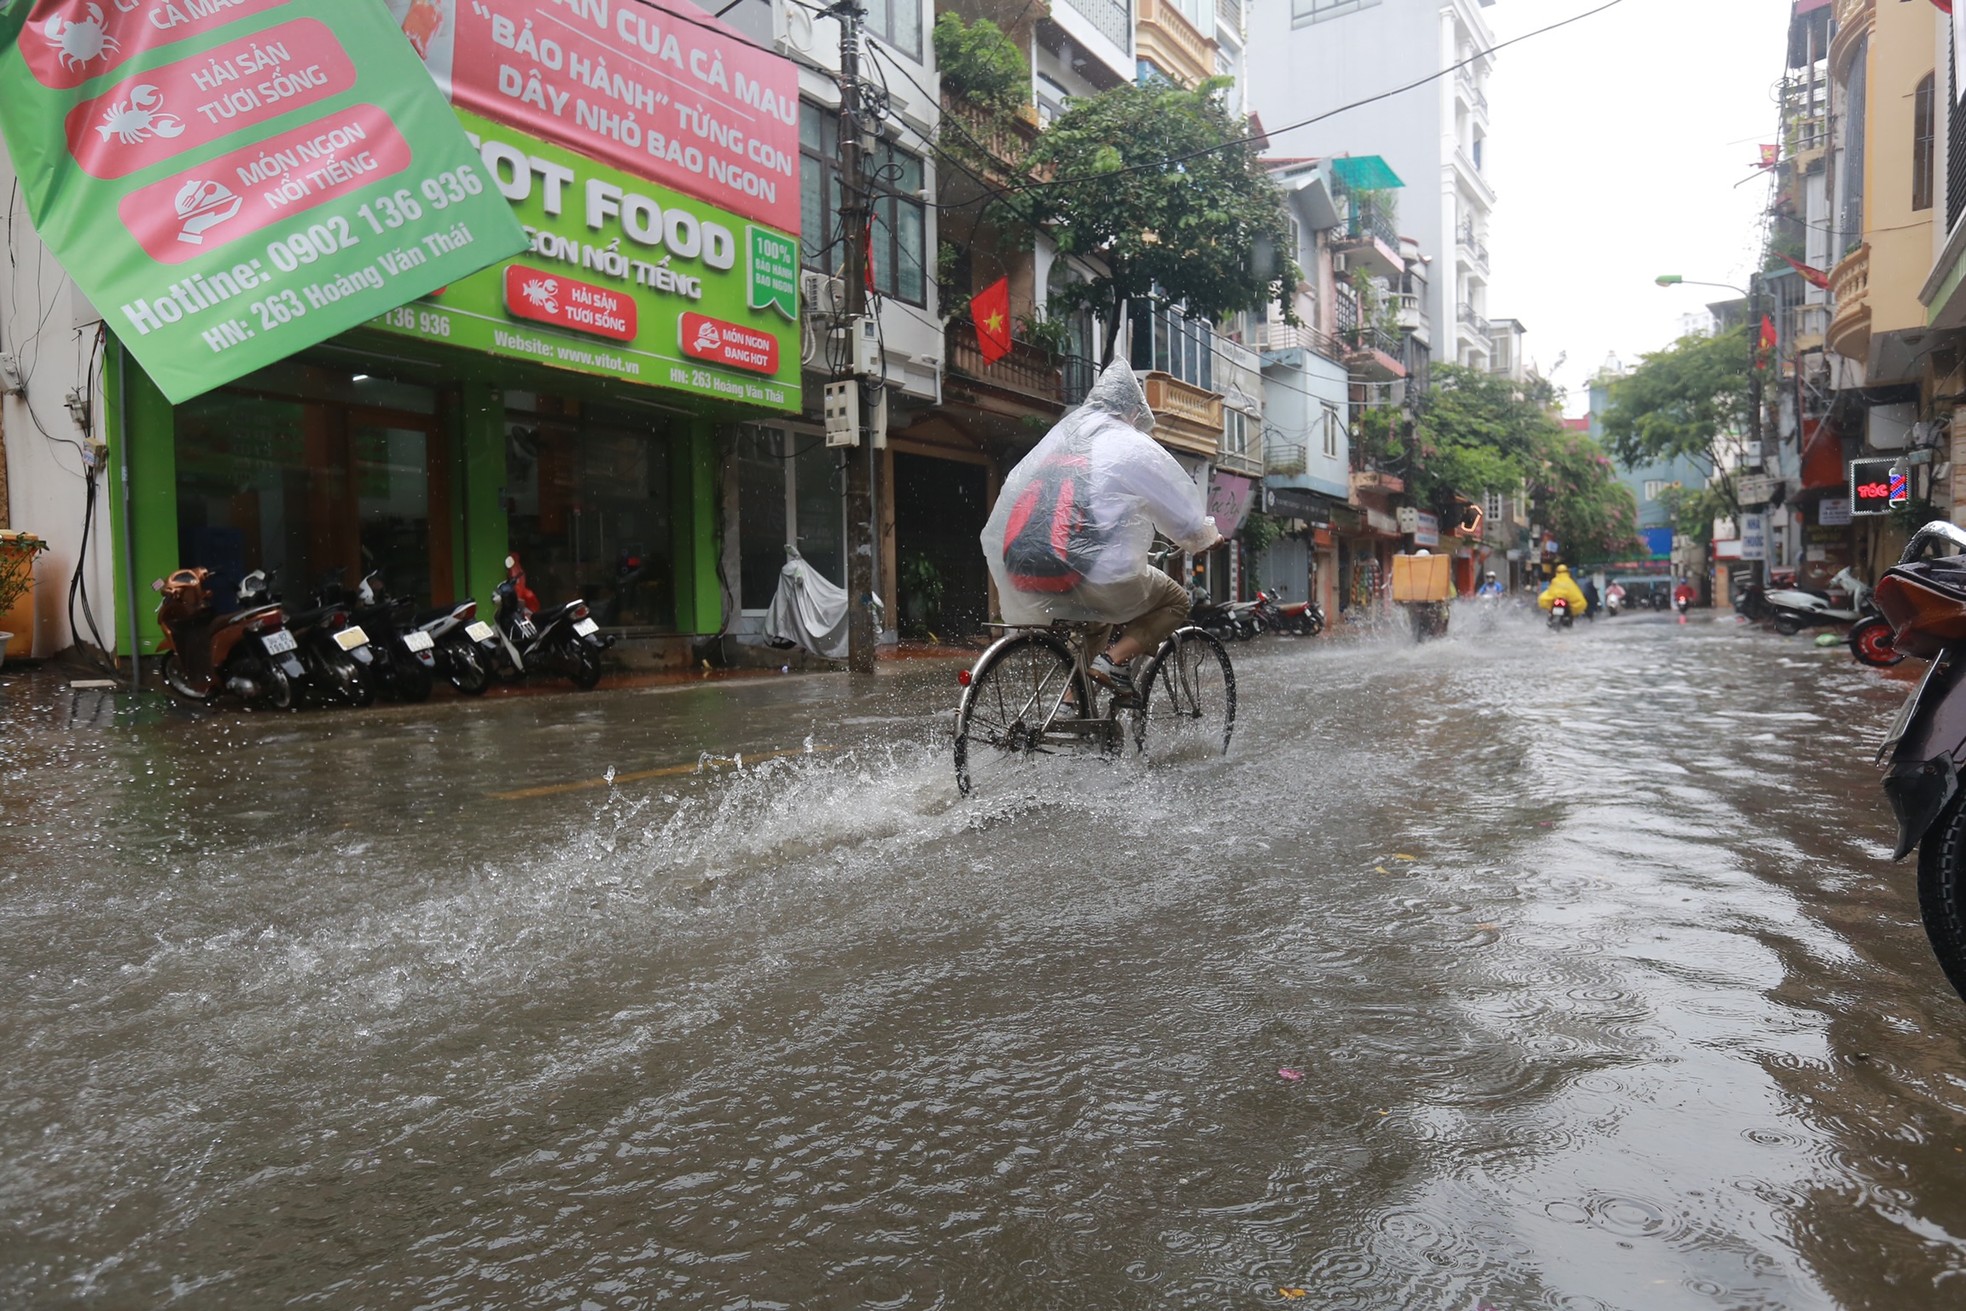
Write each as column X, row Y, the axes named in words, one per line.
column 1615, row 146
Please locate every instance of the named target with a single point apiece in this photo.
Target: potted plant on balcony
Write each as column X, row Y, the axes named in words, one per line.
column 1050, row 335
column 18, row 551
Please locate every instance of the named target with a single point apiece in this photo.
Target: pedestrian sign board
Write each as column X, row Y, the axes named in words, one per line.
column 1876, row 485
column 233, row 181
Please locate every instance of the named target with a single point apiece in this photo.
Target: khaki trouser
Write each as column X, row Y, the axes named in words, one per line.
column 1169, row 610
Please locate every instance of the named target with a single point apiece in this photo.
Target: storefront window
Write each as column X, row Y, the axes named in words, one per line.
column 789, row 488
column 315, row 474
column 588, row 507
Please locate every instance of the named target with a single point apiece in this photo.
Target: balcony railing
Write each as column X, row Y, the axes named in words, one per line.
column 1028, row 371
column 1475, row 324
column 1112, row 19
column 1301, row 336
column 1372, row 221
column 1165, row 35
column 1189, row 417
column 1411, row 309
column 1287, row 460
column 1007, row 140
column 1849, row 287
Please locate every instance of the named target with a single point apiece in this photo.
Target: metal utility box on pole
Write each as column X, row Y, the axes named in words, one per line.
column 856, row 212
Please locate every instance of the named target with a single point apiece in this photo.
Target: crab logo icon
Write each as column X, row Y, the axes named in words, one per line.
column 80, row 44
column 140, row 118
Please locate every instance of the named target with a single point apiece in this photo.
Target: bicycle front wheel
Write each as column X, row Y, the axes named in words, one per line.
column 1016, row 693
column 1187, row 698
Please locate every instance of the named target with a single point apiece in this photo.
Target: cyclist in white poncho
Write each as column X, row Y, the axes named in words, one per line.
column 1069, row 536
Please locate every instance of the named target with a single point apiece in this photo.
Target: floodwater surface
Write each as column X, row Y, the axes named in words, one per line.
column 1514, row 970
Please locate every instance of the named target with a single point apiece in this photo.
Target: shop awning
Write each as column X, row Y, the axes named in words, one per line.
column 1365, row 173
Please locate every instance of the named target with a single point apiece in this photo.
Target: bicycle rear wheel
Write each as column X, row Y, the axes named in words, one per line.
column 1016, row 691
column 1187, row 698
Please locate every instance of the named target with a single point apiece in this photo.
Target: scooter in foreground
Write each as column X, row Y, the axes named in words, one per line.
column 248, row 652
column 1925, row 603
column 1560, row 616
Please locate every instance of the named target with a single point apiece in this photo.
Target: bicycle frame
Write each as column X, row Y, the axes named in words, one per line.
column 1078, row 639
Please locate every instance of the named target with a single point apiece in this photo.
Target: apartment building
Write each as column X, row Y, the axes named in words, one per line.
column 1307, row 57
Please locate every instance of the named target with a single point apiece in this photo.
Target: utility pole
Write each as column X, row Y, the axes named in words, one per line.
column 856, row 211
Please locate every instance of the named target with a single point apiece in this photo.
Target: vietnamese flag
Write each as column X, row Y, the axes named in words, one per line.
column 1768, row 338
column 991, row 311
column 1945, row 6
column 1813, row 276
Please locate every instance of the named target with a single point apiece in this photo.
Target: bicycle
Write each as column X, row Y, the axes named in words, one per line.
column 1032, row 693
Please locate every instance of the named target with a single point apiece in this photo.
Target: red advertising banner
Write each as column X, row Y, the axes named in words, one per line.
column 66, row 44
column 679, row 99
column 569, row 303
column 732, row 344
column 149, row 118
column 291, row 173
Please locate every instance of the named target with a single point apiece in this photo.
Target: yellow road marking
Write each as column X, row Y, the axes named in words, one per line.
column 636, row 776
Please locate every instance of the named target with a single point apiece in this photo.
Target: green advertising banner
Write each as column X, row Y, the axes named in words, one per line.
column 623, row 279
column 231, row 181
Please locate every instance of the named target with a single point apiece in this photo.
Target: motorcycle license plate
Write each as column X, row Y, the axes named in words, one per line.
column 1906, row 712
column 478, row 631
column 351, row 637
column 418, row 641
column 586, row 627
column 278, row 643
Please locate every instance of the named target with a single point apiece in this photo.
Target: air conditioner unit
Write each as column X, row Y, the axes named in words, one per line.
column 822, row 295
column 1340, row 264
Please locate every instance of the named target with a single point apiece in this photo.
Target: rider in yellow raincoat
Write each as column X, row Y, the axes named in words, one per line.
column 1565, row 586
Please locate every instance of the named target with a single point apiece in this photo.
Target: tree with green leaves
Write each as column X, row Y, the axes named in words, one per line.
column 1478, row 432
column 1693, row 399
column 1160, row 186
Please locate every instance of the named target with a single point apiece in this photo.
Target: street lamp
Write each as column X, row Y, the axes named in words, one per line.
column 1674, row 280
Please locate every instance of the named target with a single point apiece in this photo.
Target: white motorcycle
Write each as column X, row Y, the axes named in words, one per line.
column 1794, row 610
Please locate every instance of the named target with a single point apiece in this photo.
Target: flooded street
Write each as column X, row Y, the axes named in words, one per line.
column 1602, row 991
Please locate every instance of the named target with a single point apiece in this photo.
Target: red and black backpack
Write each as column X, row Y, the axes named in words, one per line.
column 1048, row 542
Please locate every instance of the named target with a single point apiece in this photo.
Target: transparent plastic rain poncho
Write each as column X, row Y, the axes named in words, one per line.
column 1124, row 487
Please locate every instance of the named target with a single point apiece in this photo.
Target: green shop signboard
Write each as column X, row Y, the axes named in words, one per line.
column 624, row 279
column 231, row 181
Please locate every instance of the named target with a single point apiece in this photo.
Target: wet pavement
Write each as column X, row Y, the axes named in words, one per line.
column 1602, row 991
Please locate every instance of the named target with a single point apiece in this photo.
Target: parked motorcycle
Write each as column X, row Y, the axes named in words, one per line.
column 405, row 662
column 1793, row 609
column 1304, row 618
column 1925, row 603
column 467, row 648
column 1560, row 616
column 249, row 652
column 1246, row 618
column 565, row 639
column 335, row 652
column 1207, row 613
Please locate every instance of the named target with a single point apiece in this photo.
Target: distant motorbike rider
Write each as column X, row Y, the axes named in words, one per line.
column 1491, row 586
column 1563, row 587
column 1682, row 595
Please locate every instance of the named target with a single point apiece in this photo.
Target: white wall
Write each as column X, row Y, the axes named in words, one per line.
column 51, row 329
